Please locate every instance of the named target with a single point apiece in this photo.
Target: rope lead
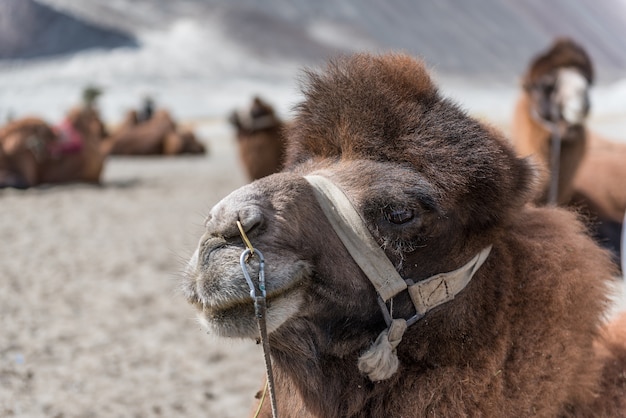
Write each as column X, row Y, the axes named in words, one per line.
column 260, row 310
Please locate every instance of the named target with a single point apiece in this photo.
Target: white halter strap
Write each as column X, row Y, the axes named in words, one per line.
column 355, row 236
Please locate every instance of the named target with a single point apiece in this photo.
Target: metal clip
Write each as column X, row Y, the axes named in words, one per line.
column 243, row 260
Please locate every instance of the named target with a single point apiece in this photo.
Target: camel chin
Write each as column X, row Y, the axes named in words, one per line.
column 215, row 285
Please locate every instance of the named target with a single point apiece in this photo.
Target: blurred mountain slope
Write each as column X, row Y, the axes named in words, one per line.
column 33, row 30
column 490, row 39
column 201, row 58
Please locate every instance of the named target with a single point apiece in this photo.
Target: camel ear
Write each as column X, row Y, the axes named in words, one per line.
column 518, row 178
column 514, row 185
column 525, row 186
column 511, row 183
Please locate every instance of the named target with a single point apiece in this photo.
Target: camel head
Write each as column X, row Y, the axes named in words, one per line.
column 256, row 117
column 431, row 185
column 558, row 82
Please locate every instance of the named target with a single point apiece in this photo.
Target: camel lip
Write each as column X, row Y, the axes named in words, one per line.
column 236, row 303
column 210, row 246
column 215, row 292
column 209, row 304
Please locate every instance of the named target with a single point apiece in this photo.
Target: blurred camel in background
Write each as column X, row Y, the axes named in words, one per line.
column 36, row 153
column 152, row 133
column 260, row 139
column 577, row 167
column 555, row 101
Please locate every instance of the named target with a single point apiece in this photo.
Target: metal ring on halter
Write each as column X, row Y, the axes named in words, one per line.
column 389, row 317
column 243, row 260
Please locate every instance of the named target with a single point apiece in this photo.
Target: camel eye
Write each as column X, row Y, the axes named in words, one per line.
column 399, row 216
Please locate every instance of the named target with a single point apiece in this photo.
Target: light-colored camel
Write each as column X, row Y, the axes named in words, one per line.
column 591, row 170
column 37, row 153
column 427, row 219
column 260, row 139
column 554, row 103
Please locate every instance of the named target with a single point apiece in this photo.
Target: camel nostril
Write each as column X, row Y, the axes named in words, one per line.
column 251, row 219
column 223, row 223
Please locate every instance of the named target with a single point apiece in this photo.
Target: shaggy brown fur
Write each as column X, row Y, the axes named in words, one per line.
column 159, row 135
column 26, row 145
column 531, row 136
column 261, row 139
column 434, row 187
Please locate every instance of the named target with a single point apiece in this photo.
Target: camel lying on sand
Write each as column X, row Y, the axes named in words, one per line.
column 260, row 138
column 158, row 135
column 406, row 272
column 591, row 169
column 36, row 153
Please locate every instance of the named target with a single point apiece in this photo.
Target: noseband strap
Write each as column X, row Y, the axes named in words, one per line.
column 357, row 239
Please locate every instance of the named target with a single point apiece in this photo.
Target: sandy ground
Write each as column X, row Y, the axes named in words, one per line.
column 91, row 321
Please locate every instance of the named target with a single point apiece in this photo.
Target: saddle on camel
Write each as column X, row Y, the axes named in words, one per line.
column 578, row 167
column 36, row 153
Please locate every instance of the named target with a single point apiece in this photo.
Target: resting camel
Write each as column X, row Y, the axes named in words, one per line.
column 157, row 135
column 406, row 273
column 591, row 169
column 260, row 138
column 36, row 153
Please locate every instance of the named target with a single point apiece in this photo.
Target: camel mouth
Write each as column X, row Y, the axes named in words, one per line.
column 215, row 285
column 242, row 302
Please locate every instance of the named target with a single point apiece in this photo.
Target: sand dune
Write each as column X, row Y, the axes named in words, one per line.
column 92, row 321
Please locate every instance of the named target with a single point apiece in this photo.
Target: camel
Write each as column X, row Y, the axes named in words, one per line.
column 590, row 168
column 158, row 135
column 260, row 139
column 36, row 153
column 555, row 99
column 406, row 271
